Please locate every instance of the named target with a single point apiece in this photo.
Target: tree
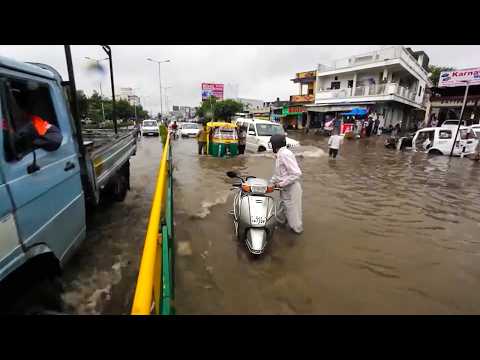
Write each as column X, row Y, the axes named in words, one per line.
column 207, row 108
column 435, row 72
column 222, row 110
column 83, row 104
column 225, row 110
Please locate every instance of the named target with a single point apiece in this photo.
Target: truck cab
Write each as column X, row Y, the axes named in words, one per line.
column 43, row 190
column 46, row 206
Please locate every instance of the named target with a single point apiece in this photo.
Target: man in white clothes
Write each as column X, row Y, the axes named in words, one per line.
column 286, row 176
column 334, row 143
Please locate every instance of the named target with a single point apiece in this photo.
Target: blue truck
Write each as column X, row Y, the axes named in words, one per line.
column 44, row 194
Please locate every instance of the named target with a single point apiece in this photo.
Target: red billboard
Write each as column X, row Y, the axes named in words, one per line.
column 212, row 90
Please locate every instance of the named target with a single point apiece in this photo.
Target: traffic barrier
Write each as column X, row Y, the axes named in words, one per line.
column 154, row 292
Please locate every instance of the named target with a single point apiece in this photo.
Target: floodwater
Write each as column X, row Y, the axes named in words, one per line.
column 101, row 276
column 385, row 232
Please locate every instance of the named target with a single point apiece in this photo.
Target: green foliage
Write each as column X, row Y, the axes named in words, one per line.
column 91, row 107
column 219, row 110
column 225, row 110
column 435, row 71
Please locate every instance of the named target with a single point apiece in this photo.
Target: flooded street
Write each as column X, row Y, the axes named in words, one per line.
column 101, row 276
column 385, row 232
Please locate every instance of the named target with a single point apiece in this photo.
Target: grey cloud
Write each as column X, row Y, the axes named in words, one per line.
column 261, row 72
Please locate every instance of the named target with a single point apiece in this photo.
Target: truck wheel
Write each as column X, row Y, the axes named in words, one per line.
column 34, row 289
column 46, row 296
column 435, row 152
column 119, row 188
column 261, row 149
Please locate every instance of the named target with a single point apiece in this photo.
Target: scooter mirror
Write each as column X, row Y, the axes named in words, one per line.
column 232, row 174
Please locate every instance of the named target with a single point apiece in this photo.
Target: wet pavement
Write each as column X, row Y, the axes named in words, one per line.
column 386, row 232
column 101, row 276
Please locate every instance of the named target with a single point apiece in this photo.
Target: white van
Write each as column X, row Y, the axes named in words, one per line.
column 259, row 133
column 439, row 141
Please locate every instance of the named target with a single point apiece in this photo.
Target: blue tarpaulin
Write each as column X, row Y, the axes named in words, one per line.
column 356, row 112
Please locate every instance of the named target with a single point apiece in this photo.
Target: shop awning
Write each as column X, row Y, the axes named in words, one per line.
column 356, row 112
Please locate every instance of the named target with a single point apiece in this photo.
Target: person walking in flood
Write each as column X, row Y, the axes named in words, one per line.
column 286, row 176
column 202, row 139
column 334, row 143
column 242, row 139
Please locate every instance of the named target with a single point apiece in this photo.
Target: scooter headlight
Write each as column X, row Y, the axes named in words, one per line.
column 258, row 189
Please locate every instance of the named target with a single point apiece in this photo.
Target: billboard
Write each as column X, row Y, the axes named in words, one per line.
column 459, row 77
column 212, row 90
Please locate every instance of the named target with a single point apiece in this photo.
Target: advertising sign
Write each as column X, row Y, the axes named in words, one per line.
column 212, row 90
column 306, row 74
column 459, row 77
column 302, row 98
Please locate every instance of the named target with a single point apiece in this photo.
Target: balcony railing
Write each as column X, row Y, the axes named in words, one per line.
column 369, row 90
column 390, row 53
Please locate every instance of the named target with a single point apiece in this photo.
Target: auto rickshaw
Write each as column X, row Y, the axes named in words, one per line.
column 222, row 139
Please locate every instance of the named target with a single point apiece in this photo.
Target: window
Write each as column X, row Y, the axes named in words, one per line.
column 269, row 129
column 420, row 91
column 350, row 83
column 445, row 134
column 22, row 99
column 335, row 85
column 251, row 128
column 336, row 78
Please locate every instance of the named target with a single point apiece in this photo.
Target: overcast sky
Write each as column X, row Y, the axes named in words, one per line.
column 259, row 72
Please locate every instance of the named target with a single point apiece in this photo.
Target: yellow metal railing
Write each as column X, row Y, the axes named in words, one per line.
column 149, row 282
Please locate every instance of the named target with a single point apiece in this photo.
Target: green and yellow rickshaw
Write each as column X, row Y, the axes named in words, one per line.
column 222, row 139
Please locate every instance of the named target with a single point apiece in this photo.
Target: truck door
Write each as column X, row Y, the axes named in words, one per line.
column 10, row 249
column 49, row 202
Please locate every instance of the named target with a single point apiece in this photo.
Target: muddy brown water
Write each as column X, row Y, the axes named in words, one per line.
column 386, row 232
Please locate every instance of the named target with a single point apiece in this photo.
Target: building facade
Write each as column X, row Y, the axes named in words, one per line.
column 446, row 104
column 389, row 83
column 127, row 93
column 294, row 114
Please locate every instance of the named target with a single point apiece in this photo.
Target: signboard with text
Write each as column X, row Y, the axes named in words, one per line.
column 459, row 77
column 212, row 90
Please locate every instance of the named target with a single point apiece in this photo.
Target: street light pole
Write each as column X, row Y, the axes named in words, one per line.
column 166, row 97
column 160, row 81
column 461, row 117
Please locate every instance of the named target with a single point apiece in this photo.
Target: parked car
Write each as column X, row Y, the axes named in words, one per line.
column 259, row 133
column 189, row 129
column 439, row 141
column 150, row 127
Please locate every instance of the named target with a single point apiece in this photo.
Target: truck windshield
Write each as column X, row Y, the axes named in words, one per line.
column 149, row 123
column 269, row 129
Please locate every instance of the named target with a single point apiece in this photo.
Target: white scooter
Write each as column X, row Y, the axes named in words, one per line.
column 254, row 212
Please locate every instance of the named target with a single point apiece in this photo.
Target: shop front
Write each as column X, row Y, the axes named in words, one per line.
column 294, row 117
